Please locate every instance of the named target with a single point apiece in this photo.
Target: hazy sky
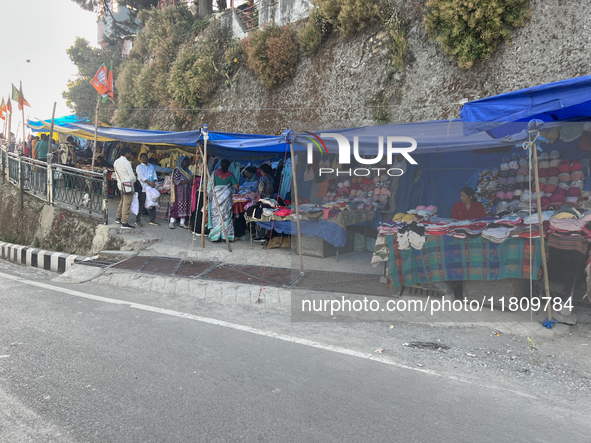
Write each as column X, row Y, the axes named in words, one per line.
column 41, row 31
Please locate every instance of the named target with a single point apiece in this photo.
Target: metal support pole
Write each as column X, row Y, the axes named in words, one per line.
column 3, row 166
column 105, row 197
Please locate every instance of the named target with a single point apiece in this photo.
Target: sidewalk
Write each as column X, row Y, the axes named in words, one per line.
column 180, row 243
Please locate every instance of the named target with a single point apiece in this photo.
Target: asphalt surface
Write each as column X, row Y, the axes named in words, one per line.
column 74, row 369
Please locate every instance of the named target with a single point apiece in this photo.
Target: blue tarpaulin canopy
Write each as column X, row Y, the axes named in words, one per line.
column 43, row 125
column 224, row 143
column 566, row 100
column 440, row 136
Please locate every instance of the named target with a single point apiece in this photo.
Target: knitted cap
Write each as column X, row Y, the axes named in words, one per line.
column 564, row 166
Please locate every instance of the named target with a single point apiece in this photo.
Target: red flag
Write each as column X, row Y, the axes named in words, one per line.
column 8, row 105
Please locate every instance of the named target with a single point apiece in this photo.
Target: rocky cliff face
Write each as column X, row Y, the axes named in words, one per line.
column 335, row 88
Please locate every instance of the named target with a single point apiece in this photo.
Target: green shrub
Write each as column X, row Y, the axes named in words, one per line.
column 397, row 44
column 472, row 30
column 315, row 31
column 127, row 115
column 194, row 75
column 381, row 110
column 234, row 58
column 348, row 16
column 272, row 54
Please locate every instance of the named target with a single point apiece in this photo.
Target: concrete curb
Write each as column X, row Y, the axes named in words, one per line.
column 39, row 258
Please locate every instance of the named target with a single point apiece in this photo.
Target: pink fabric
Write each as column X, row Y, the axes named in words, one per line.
column 222, row 175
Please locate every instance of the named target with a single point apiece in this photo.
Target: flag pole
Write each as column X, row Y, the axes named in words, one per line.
column 9, row 125
column 98, row 104
column 23, row 109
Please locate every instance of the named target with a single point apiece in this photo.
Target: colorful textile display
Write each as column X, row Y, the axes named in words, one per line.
column 444, row 258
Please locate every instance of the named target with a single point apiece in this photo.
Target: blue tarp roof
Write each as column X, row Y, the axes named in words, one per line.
column 432, row 137
column 566, row 100
column 222, row 142
column 40, row 125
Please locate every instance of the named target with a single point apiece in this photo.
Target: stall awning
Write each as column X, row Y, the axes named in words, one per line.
column 226, row 142
column 566, row 100
column 441, row 136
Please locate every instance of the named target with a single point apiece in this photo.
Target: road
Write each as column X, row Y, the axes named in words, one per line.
column 76, row 367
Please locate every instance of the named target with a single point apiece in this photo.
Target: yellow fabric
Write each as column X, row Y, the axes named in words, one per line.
column 551, row 134
column 565, row 215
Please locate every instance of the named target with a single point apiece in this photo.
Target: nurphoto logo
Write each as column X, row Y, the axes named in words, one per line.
column 344, row 156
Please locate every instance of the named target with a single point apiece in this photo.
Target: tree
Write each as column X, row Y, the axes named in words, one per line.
column 104, row 8
column 81, row 96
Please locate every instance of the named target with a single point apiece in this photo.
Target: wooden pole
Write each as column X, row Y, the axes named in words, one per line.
column 215, row 198
column 23, row 110
column 205, row 173
column 98, row 104
column 297, row 205
column 541, row 225
column 9, row 127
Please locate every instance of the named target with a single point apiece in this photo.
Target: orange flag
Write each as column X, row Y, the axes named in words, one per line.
column 103, row 82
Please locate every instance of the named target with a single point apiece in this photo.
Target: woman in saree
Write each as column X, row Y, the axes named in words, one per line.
column 180, row 197
column 223, row 182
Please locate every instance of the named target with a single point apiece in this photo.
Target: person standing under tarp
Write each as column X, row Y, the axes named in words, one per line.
column 146, row 175
column 180, row 193
column 124, row 174
column 223, row 182
column 42, row 147
column 67, row 153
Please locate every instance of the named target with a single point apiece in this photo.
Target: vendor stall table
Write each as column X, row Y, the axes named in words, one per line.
column 332, row 231
column 445, row 258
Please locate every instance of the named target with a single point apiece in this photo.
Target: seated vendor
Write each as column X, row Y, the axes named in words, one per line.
column 467, row 208
column 249, row 180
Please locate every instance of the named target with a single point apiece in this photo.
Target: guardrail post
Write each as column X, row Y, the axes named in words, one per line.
column 21, row 181
column 49, row 183
column 106, row 198
column 3, row 166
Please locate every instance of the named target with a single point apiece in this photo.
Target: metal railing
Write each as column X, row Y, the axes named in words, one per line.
column 70, row 188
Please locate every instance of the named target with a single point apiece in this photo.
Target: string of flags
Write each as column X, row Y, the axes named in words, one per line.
column 102, row 82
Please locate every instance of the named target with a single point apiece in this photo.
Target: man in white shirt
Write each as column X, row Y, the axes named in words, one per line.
column 146, row 174
column 124, row 173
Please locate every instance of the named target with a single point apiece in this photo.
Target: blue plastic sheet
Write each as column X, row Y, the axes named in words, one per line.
column 559, row 101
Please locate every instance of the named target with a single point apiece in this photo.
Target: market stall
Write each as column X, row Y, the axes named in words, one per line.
column 423, row 244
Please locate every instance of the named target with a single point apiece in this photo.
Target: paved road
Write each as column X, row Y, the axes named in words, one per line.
column 74, row 369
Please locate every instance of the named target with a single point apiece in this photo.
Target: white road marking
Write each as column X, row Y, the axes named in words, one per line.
column 260, row 332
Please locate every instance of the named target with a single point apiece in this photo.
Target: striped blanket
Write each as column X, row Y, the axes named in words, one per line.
column 444, row 258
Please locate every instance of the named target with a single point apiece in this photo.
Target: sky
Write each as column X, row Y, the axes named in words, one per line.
column 41, row 31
